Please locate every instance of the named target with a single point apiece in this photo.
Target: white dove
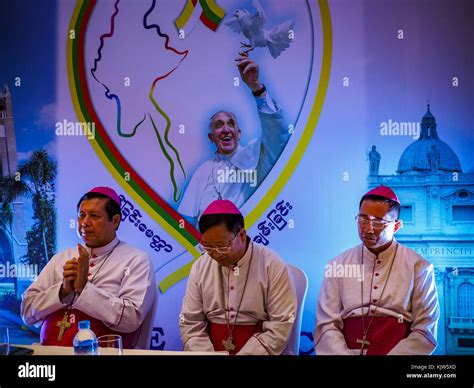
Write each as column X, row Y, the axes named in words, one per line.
column 251, row 26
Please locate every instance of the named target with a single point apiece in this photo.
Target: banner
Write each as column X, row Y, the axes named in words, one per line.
column 351, row 87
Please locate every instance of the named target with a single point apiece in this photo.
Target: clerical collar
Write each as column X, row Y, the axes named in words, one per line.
column 103, row 250
column 245, row 258
column 244, row 158
column 385, row 255
column 226, row 157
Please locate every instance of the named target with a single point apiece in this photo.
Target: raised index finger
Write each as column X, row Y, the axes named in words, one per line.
column 83, row 253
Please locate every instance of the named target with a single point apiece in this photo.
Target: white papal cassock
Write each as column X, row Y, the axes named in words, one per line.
column 257, row 157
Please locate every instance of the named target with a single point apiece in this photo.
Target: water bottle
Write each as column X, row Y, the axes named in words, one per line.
column 85, row 341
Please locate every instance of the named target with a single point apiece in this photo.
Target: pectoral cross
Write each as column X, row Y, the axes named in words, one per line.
column 228, row 345
column 63, row 325
column 363, row 342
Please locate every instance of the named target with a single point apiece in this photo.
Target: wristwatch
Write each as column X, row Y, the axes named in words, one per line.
column 259, row 92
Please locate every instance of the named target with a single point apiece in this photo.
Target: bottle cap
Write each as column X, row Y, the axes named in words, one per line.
column 84, row 324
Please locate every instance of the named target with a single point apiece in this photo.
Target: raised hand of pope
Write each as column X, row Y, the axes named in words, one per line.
column 249, row 72
column 82, row 269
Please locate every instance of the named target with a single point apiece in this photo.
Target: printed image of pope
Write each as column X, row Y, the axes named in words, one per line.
column 236, row 171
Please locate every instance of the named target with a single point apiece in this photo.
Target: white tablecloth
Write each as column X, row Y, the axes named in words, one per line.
column 40, row 350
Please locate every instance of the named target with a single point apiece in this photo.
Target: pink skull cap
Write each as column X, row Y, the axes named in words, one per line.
column 383, row 191
column 221, row 206
column 108, row 192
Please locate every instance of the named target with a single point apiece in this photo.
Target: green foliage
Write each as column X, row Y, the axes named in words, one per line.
column 39, row 172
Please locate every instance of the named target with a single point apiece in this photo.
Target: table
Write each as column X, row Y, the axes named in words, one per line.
column 40, row 350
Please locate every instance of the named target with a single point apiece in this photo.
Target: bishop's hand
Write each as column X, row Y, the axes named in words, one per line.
column 82, row 268
column 69, row 276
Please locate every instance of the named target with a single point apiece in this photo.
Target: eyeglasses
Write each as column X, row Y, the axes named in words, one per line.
column 376, row 223
column 220, row 250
